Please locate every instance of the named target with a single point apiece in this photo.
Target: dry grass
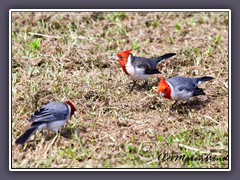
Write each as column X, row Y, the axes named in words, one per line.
column 111, row 127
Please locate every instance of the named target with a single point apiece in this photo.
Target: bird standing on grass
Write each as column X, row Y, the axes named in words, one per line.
column 140, row 68
column 181, row 88
column 50, row 116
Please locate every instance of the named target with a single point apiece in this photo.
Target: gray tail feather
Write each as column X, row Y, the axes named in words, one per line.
column 165, row 56
column 26, row 135
column 204, row 78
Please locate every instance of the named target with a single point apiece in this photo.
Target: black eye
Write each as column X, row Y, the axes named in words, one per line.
column 120, row 56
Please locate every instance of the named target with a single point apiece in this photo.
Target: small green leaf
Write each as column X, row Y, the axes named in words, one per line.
column 35, row 44
column 131, row 156
column 131, row 148
column 154, row 164
column 159, row 138
column 217, row 39
column 171, row 40
column 178, row 26
column 155, row 22
column 135, row 46
column 195, row 49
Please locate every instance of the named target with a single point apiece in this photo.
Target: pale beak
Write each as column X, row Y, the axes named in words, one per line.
column 161, row 94
column 116, row 57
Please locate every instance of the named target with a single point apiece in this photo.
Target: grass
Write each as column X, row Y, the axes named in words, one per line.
column 111, row 128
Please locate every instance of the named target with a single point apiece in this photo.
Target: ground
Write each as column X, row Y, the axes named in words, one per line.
column 58, row 56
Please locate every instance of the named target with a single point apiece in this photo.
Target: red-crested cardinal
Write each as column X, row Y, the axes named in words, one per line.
column 50, row 116
column 140, row 68
column 181, row 88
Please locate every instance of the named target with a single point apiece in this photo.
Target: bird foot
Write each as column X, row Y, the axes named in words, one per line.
column 173, row 106
column 187, row 104
column 131, row 89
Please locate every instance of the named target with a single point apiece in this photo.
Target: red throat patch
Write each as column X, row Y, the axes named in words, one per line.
column 164, row 88
column 72, row 107
column 122, row 64
column 123, row 59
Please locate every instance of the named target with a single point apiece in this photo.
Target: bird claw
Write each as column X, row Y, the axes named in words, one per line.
column 187, row 104
column 134, row 83
column 145, row 85
column 173, row 105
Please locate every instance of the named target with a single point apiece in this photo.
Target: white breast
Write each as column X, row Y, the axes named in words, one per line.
column 136, row 74
column 55, row 125
column 179, row 95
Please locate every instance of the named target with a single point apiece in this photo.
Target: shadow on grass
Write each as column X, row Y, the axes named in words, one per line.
column 49, row 136
column 68, row 132
column 144, row 87
column 196, row 104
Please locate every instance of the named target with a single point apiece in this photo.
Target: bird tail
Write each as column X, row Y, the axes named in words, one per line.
column 165, row 56
column 26, row 135
column 198, row 91
column 204, row 78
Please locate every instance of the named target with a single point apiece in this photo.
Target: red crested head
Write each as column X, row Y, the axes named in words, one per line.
column 123, row 56
column 164, row 88
column 71, row 106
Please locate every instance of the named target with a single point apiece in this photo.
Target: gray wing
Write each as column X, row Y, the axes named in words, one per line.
column 195, row 91
column 147, row 69
column 51, row 112
column 183, row 83
column 185, row 89
column 149, row 65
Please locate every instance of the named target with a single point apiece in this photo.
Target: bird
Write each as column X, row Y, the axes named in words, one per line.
column 50, row 116
column 140, row 68
column 181, row 88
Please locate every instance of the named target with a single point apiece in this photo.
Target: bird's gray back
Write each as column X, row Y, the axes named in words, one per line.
column 179, row 81
column 150, row 62
column 59, row 109
column 52, row 111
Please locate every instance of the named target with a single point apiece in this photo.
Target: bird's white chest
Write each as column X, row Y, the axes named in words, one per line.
column 135, row 73
column 55, row 125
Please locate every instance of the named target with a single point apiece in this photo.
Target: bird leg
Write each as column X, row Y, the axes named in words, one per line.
column 146, row 84
column 187, row 104
column 173, row 105
column 134, row 83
